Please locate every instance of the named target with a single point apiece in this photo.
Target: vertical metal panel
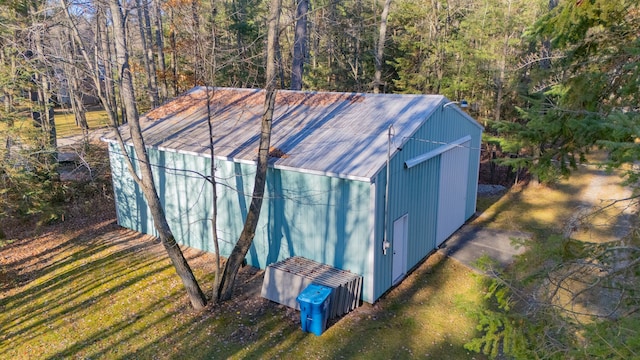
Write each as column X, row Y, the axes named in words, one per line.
column 452, row 199
column 185, row 196
column 318, row 217
column 369, row 282
column 131, row 207
column 415, row 191
column 383, row 263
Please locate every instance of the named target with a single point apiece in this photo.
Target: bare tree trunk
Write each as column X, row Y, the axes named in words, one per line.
column 160, row 50
column 77, row 105
column 7, row 93
column 45, row 107
column 211, row 75
column 103, row 52
column 149, row 49
column 198, row 74
column 152, row 91
column 174, row 54
column 377, row 80
column 214, row 200
column 248, row 232
column 194, row 292
column 499, row 82
column 73, row 78
column 280, row 64
column 299, row 44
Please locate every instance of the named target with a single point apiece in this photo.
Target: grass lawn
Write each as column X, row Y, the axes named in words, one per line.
column 86, row 288
column 66, row 122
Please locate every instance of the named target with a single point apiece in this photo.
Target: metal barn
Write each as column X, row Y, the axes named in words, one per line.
column 330, row 197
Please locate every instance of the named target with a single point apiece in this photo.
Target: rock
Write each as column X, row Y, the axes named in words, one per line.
column 488, row 190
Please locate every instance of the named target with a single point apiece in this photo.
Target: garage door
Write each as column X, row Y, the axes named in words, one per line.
column 452, row 197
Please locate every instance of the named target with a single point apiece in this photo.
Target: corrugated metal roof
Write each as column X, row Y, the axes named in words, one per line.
column 338, row 134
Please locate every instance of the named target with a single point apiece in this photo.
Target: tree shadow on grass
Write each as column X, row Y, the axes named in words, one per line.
column 44, row 259
column 416, row 318
column 88, row 271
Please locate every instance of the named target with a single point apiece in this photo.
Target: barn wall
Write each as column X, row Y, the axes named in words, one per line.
column 447, row 125
column 415, row 191
column 179, row 186
column 322, row 218
column 416, row 194
column 131, row 210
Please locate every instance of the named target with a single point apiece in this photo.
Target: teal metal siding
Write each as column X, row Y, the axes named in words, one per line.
column 415, row 191
column 131, row 209
column 447, row 125
column 322, row 218
column 383, row 264
column 184, row 194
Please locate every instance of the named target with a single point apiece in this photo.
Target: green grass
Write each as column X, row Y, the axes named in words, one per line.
column 66, row 122
column 116, row 296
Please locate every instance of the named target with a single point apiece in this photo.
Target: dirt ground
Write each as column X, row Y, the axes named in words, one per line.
column 606, row 210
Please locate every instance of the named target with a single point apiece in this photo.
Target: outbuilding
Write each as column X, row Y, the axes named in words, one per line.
column 369, row 183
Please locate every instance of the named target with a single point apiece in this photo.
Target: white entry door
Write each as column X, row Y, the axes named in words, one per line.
column 399, row 247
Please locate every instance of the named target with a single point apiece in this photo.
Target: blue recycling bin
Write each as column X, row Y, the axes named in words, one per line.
column 314, row 308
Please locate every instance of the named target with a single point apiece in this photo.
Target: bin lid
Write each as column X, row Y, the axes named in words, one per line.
column 314, row 294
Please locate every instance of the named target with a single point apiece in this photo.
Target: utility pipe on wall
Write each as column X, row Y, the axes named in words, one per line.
column 385, row 242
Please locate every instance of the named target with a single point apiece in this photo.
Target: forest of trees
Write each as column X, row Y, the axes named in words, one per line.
column 508, row 58
column 514, row 61
column 549, row 79
column 463, row 48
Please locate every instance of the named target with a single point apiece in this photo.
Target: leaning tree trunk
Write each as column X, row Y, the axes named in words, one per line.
column 248, row 232
column 196, row 296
